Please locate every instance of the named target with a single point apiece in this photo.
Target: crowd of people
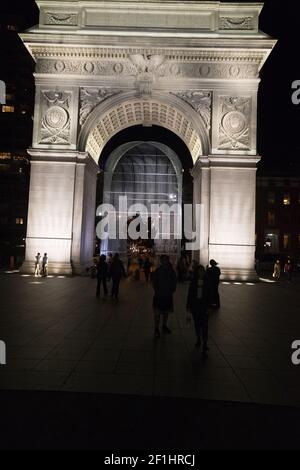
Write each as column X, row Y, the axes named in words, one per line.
column 203, row 292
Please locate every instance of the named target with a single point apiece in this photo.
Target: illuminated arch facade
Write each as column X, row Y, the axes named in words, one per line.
column 104, row 66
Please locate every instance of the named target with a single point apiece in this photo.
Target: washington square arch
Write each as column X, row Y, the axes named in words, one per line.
column 103, row 67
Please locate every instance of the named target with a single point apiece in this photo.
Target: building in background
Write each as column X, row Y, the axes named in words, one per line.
column 15, row 136
column 278, row 218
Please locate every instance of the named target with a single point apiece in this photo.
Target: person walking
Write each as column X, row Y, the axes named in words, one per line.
column 102, row 270
column 213, row 279
column 288, row 270
column 164, row 284
column 197, row 305
column 109, row 263
column 45, row 265
column 37, row 265
column 147, row 269
column 277, row 270
column 117, row 271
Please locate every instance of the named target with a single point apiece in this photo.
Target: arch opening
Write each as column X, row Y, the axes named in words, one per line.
column 149, row 174
column 126, row 110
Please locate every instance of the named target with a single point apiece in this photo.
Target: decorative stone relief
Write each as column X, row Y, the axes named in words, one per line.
column 59, row 18
column 147, row 66
column 234, row 130
column 140, row 112
column 236, row 22
column 223, row 70
column 56, row 121
column 209, row 70
column 200, row 102
column 85, row 67
column 90, row 98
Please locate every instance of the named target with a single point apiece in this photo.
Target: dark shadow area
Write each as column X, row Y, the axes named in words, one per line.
column 146, row 134
column 40, row 420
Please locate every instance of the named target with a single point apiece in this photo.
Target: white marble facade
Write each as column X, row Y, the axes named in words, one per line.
column 102, row 66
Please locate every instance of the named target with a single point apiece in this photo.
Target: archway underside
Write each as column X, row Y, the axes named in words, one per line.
column 147, row 113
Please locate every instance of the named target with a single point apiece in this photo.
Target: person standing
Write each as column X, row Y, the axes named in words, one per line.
column 117, row 271
column 277, row 270
column 37, row 265
column 109, row 263
column 164, row 284
column 213, row 279
column 102, row 270
column 197, row 305
column 45, row 265
column 288, row 269
column 147, row 269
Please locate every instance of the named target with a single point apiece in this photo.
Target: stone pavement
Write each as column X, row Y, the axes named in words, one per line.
column 59, row 337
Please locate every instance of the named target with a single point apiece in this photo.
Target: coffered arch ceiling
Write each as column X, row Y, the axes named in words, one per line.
column 125, row 110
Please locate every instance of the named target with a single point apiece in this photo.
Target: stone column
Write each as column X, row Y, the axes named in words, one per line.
column 61, row 210
column 233, row 182
column 232, row 216
column 83, row 239
column 201, row 196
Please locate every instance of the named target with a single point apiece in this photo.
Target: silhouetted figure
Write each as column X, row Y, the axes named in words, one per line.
column 102, row 271
column 109, row 262
column 37, row 265
column 117, row 271
column 197, row 304
column 288, row 270
column 213, row 277
column 147, row 269
column 164, row 285
column 45, row 265
column 140, row 262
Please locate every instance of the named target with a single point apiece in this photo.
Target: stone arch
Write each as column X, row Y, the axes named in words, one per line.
column 111, row 165
column 126, row 109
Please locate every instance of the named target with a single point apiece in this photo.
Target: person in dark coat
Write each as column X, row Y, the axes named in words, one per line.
column 197, row 304
column 102, row 270
column 109, row 263
column 213, row 276
column 164, row 284
column 117, row 271
column 147, row 269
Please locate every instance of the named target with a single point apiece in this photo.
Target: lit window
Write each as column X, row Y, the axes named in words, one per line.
column 19, row 221
column 8, row 109
column 286, row 241
column 271, row 197
column 287, row 200
column 12, row 27
column 271, row 218
column 5, row 155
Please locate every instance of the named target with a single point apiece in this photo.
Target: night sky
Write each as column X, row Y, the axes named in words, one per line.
column 279, row 119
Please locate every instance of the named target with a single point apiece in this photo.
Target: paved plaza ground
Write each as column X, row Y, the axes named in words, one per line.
column 60, row 337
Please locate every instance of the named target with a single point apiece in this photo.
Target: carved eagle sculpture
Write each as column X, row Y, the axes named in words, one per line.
column 147, row 63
